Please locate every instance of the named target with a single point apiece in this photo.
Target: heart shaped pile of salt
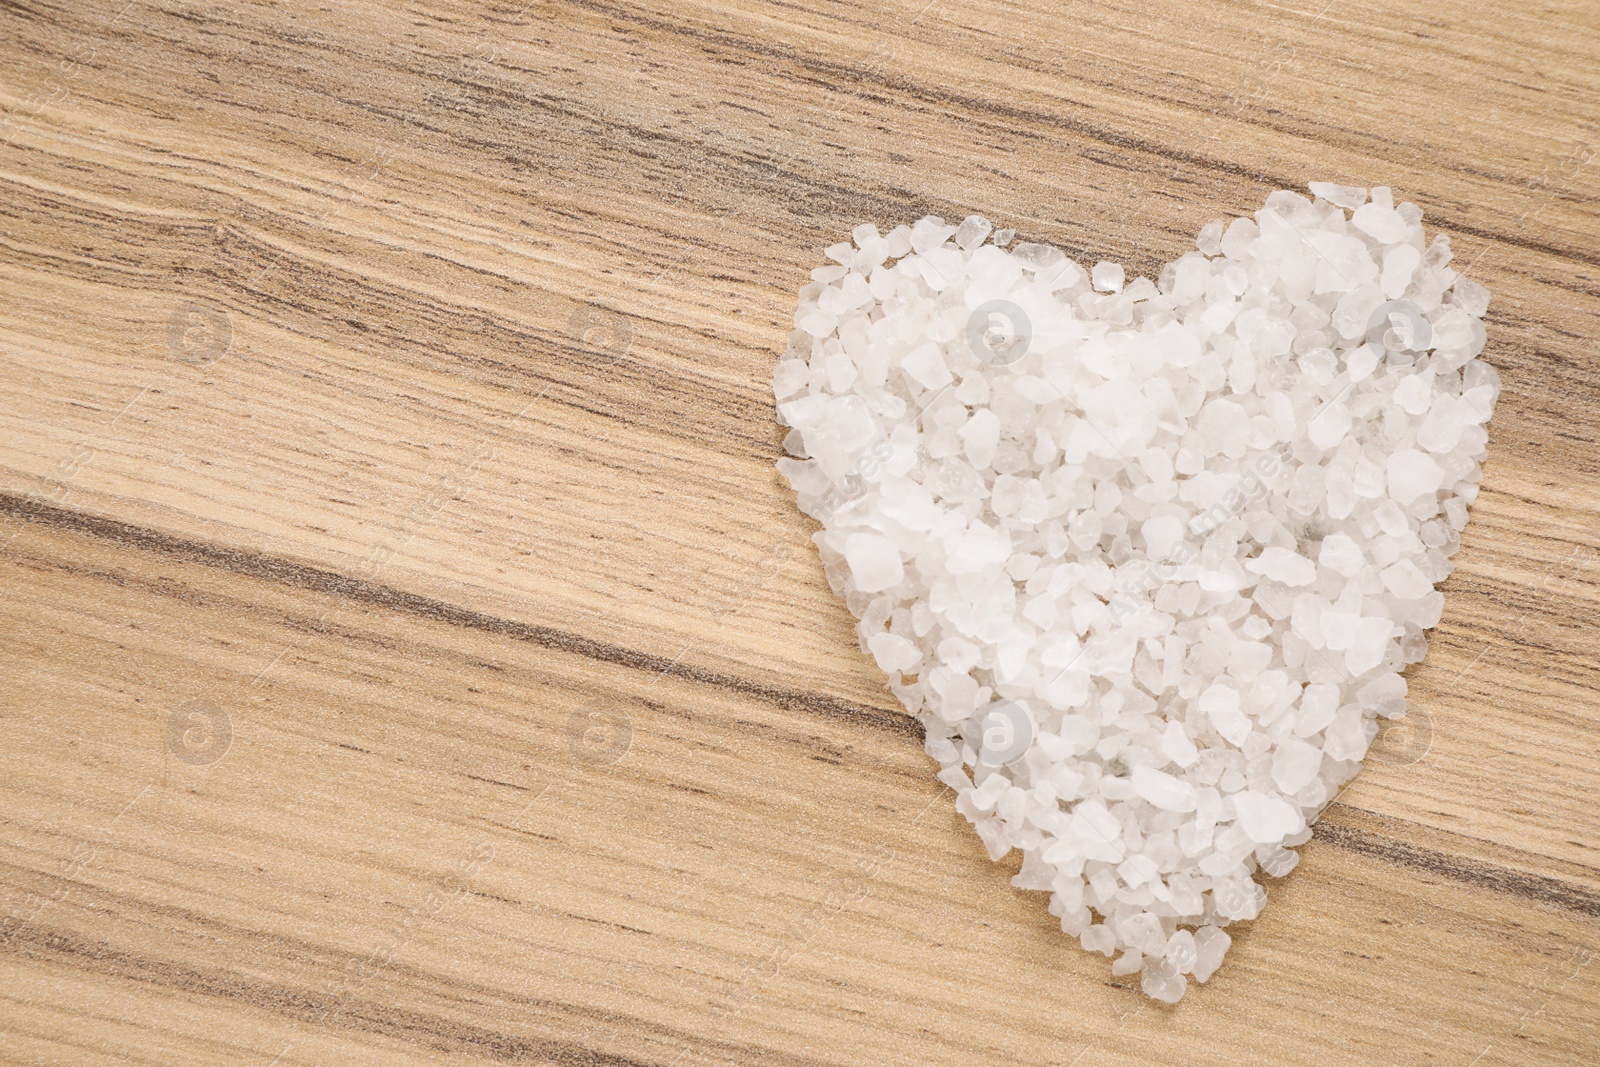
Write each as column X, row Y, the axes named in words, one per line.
column 1145, row 559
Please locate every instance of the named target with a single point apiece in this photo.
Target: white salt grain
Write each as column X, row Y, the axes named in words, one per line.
column 1162, row 790
column 874, row 562
column 1405, row 580
column 925, row 365
column 1294, row 765
column 1411, row 474
column 1187, row 532
column 1108, row 277
column 1266, row 819
column 1211, row 944
column 1282, row 565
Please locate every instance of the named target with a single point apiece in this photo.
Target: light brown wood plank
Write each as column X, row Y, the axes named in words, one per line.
column 742, row 883
column 410, row 508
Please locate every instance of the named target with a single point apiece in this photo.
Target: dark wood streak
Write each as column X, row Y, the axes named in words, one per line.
column 1462, row 869
column 28, row 942
column 315, row 579
column 833, row 75
column 506, row 354
column 285, row 572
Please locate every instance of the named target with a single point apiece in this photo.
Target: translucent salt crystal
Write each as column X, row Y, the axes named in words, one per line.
column 928, row 233
column 1339, row 629
column 1471, row 297
column 816, row 322
column 1211, row 945
column 1161, row 981
column 1348, row 735
column 1128, row 963
column 1099, row 938
column 1177, row 746
column 1360, row 363
column 1163, row 790
column 875, row 563
column 1266, row 819
column 1383, row 224
column 1107, row 277
column 1345, row 196
column 1295, row 764
column 1283, row 565
column 981, row 436
column 1400, row 263
column 1441, row 429
column 898, row 242
column 844, row 252
column 1162, row 534
column 1142, row 930
column 1181, row 952
column 1239, row 899
column 972, row 232
column 1382, row 691
column 1331, row 426
column 865, row 234
column 1279, row 861
column 1414, row 394
column 926, row 366
column 1221, row 703
column 893, row 652
column 1405, row 580
column 1411, row 474
column 1341, row 554
column 790, row 376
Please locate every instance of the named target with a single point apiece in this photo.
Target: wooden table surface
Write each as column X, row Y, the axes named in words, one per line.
column 412, row 656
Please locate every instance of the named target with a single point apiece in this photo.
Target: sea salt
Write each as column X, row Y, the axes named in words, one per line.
column 1146, row 558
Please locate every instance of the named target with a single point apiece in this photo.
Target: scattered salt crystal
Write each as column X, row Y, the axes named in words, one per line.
column 1186, row 531
column 1108, row 277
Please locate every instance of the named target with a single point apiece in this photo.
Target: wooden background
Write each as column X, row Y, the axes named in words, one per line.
column 412, row 656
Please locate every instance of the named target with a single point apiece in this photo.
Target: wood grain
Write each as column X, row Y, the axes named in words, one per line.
column 391, row 384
